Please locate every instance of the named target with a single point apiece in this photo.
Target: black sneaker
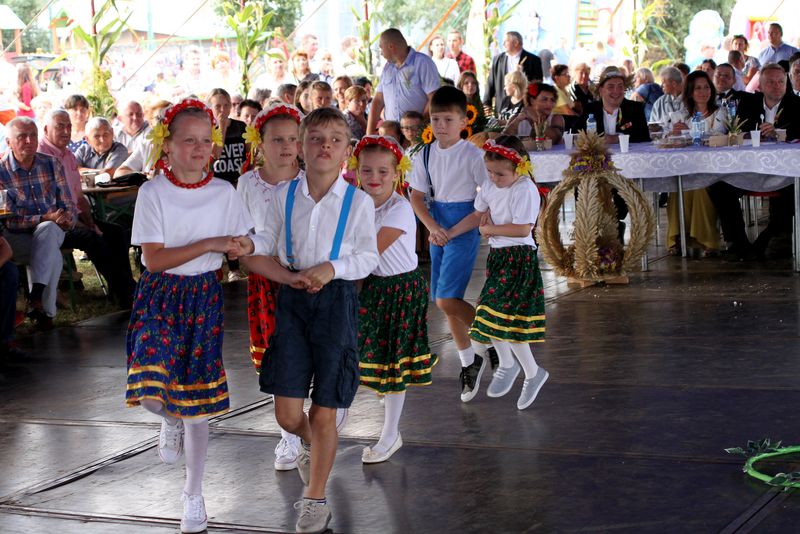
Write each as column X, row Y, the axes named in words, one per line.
column 494, row 360
column 471, row 378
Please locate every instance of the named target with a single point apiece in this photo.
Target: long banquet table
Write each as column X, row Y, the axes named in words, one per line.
column 769, row 167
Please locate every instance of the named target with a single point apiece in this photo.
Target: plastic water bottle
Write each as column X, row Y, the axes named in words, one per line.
column 697, row 128
column 591, row 124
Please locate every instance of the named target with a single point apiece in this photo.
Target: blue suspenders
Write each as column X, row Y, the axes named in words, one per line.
column 340, row 226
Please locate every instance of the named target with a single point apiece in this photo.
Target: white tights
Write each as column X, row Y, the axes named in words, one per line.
column 523, row 353
column 195, row 445
column 393, row 408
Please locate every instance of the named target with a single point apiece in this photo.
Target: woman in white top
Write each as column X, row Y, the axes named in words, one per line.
column 393, row 326
column 699, row 96
column 447, row 67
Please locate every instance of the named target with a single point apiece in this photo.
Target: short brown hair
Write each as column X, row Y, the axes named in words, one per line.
column 353, row 93
column 320, row 86
column 323, row 117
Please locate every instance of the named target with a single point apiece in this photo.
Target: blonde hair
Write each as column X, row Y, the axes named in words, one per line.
column 516, row 79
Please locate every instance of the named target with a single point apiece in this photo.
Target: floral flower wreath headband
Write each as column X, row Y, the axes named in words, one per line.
column 160, row 130
column 403, row 163
column 523, row 164
column 252, row 134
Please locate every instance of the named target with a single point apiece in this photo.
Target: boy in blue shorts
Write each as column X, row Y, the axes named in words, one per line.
column 324, row 228
column 448, row 172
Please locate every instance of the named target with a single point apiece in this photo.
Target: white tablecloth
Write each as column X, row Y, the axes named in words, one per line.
column 767, row 168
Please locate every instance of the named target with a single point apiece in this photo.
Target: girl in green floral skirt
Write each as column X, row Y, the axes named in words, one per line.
column 393, row 318
column 510, row 311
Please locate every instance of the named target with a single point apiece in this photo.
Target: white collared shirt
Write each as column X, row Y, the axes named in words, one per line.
column 770, row 112
column 133, row 142
column 512, row 62
column 610, row 122
column 313, row 228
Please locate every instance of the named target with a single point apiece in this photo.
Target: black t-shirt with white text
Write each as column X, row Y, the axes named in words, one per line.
column 229, row 164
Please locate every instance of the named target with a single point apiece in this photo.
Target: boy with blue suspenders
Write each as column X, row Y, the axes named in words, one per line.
column 324, row 228
column 449, row 171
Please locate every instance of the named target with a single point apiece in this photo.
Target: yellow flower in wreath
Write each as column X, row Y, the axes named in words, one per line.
column 472, row 114
column 216, row 136
column 427, row 135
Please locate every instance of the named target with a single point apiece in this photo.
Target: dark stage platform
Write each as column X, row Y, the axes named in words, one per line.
column 648, row 384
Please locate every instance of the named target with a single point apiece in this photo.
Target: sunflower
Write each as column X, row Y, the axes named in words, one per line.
column 466, row 133
column 472, row 114
column 427, row 135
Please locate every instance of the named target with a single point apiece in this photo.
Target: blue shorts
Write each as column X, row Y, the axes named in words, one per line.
column 451, row 265
column 315, row 339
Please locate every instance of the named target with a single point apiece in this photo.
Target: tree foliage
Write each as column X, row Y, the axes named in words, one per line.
column 423, row 14
column 35, row 37
column 678, row 15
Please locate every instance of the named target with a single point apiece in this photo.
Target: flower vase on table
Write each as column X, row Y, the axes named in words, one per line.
column 596, row 254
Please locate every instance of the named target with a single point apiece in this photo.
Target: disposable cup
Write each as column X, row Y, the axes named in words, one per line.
column 780, row 135
column 755, row 138
column 568, row 138
column 624, row 139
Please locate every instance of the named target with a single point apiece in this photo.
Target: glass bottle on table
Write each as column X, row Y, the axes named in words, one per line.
column 4, row 202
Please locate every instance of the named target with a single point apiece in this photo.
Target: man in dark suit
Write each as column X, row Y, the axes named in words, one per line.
column 613, row 113
column 514, row 57
column 773, row 108
column 724, row 79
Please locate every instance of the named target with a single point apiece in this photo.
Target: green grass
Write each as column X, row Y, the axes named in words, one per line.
column 89, row 301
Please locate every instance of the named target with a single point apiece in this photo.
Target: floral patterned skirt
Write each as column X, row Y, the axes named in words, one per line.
column 262, row 294
column 174, row 345
column 393, row 332
column 511, row 305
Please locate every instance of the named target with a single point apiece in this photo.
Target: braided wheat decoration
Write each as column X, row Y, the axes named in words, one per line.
column 596, row 252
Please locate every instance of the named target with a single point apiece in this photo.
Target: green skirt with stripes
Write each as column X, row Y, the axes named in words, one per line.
column 393, row 332
column 511, row 305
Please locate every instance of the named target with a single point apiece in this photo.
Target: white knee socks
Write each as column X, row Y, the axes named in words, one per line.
column 523, row 353
column 393, row 408
column 195, row 446
column 504, row 354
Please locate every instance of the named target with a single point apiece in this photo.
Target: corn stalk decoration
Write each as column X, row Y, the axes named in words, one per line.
column 494, row 19
column 364, row 26
column 646, row 19
column 250, row 25
column 98, row 43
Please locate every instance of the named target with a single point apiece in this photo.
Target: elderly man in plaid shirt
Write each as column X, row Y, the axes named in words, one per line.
column 41, row 211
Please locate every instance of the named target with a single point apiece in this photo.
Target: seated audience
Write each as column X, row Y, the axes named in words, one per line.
column 100, row 153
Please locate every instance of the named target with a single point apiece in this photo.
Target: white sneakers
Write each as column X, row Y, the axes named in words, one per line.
column 531, row 387
column 194, row 514
column 286, row 454
column 314, row 517
column 170, row 442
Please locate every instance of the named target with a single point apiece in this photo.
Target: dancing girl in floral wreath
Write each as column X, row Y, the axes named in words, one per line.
column 185, row 220
column 393, row 317
column 510, row 311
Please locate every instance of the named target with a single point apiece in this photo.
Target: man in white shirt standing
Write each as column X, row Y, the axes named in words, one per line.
column 407, row 81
